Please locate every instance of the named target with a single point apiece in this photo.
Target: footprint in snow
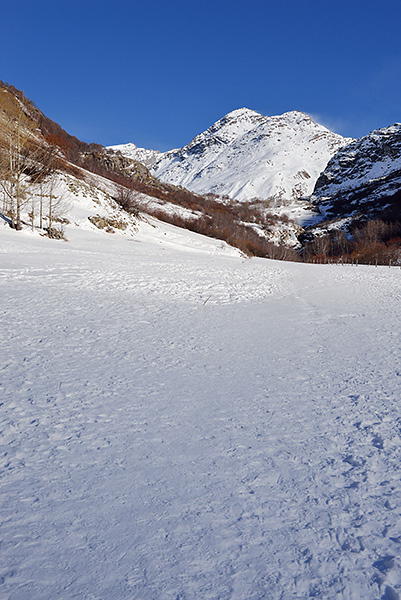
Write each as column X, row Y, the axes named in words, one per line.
column 354, row 462
column 384, row 564
column 390, row 594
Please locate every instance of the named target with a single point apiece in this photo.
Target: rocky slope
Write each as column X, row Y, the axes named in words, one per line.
column 115, row 162
column 363, row 179
column 246, row 155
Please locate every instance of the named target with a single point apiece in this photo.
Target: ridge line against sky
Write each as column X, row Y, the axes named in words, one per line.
column 159, row 73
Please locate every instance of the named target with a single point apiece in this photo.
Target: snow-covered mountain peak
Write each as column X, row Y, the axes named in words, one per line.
column 294, row 115
column 127, row 147
column 224, row 131
column 246, row 155
column 143, row 155
column 244, row 111
column 239, row 115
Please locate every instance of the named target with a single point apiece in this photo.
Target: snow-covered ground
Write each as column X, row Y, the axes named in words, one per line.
column 178, row 422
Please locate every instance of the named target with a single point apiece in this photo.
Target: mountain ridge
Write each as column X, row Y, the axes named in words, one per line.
column 245, row 155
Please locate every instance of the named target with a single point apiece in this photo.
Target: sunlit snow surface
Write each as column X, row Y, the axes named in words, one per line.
column 247, row 155
column 179, row 422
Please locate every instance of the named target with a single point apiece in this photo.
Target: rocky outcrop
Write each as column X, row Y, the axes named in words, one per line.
column 117, row 163
column 363, row 179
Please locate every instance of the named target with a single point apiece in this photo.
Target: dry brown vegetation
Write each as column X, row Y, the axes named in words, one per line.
column 375, row 242
column 232, row 222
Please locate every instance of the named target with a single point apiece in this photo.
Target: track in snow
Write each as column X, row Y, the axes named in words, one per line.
column 188, row 425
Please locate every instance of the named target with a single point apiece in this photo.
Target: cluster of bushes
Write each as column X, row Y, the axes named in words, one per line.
column 232, row 221
column 223, row 226
column 374, row 242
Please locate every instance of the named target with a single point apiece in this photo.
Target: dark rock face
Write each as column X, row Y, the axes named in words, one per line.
column 363, row 179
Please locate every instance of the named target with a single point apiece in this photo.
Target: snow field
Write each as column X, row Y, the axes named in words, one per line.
column 180, row 422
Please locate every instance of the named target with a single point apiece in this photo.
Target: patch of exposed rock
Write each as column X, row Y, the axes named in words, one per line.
column 115, row 162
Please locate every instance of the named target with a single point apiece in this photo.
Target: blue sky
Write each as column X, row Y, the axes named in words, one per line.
column 157, row 73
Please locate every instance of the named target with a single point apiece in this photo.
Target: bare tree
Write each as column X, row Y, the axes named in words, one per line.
column 25, row 160
column 17, row 132
column 46, row 167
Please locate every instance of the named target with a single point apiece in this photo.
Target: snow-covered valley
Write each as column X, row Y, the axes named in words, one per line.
column 179, row 422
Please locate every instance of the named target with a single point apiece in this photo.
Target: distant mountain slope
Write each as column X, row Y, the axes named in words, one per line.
column 146, row 157
column 51, row 158
column 364, row 178
column 246, row 155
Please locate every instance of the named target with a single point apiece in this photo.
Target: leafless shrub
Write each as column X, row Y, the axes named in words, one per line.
column 125, row 198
